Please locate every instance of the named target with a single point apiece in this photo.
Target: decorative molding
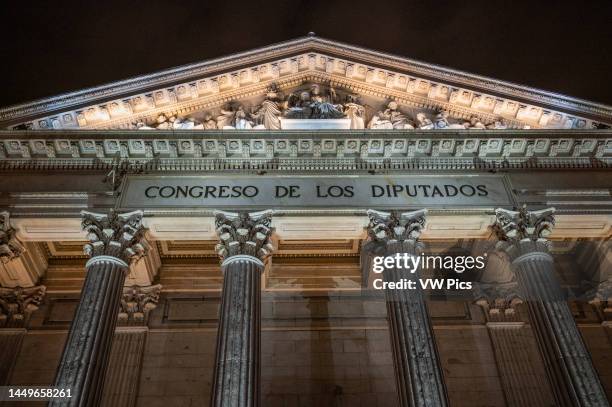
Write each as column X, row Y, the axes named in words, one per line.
column 185, row 88
column 288, row 150
column 18, row 304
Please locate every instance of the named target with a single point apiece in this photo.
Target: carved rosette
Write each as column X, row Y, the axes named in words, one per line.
column 137, row 302
column 116, row 235
column 10, row 246
column 18, row 304
column 244, row 234
column 400, row 232
column 521, row 232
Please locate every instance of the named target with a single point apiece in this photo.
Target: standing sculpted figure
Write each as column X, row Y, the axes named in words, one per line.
column 355, row 112
column 269, row 112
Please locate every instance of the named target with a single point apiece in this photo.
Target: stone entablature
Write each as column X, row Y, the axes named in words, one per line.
column 443, row 148
column 183, row 91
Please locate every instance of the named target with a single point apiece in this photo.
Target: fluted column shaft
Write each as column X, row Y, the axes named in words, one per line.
column 87, row 350
column 568, row 363
column 523, row 236
column 114, row 240
column 236, row 375
column 121, row 384
column 243, row 246
column 418, row 371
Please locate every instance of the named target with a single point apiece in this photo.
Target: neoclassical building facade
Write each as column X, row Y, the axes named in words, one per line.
column 206, row 235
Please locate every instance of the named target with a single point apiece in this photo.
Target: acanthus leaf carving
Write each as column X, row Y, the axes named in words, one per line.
column 18, row 304
column 244, row 233
column 523, row 231
column 399, row 231
column 137, row 302
column 10, row 246
column 119, row 235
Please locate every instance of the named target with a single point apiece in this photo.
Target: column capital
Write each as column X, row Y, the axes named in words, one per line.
column 115, row 235
column 18, row 304
column 244, row 234
column 10, row 246
column 523, row 232
column 499, row 301
column 136, row 304
column 399, row 231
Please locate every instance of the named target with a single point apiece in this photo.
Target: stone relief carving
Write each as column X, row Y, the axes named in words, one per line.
column 115, row 234
column 400, row 232
column 311, row 104
column 514, row 226
column 269, row 112
column 137, row 302
column 18, row 304
column 10, row 246
column 391, row 118
column 244, row 234
column 524, row 231
column 317, row 102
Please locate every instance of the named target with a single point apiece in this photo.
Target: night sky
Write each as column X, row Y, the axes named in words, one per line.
column 50, row 47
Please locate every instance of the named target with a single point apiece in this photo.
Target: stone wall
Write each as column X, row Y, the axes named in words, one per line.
column 316, row 351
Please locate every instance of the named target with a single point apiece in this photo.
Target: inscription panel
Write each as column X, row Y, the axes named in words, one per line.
column 276, row 192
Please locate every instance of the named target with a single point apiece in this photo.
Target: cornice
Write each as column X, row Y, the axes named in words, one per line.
column 392, row 66
column 150, row 151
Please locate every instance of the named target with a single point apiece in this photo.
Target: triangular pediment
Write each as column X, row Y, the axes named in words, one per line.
column 203, row 91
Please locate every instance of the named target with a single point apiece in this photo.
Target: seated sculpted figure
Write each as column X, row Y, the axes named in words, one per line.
column 234, row 118
column 209, row 123
column 324, row 107
column 499, row 124
column 441, row 122
column 162, row 122
column 187, row 123
column 298, row 106
column 390, row 118
column 424, row 122
column 474, row 124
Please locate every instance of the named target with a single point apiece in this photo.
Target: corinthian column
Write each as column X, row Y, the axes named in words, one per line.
column 114, row 241
column 417, row 368
column 523, row 235
column 244, row 245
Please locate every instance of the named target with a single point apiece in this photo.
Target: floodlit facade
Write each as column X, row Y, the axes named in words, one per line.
column 308, row 224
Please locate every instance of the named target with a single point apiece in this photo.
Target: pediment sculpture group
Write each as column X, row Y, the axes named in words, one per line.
column 312, row 103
